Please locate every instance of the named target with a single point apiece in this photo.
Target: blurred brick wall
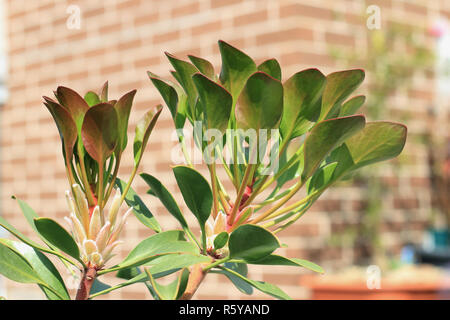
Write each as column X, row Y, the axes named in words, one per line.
column 119, row 40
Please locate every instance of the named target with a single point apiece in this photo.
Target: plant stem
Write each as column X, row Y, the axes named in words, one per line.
column 237, row 203
column 86, row 282
column 196, row 277
column 282, row 201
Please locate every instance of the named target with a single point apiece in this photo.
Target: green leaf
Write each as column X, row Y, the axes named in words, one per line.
column 272, row 68
column 276, row 260
column 302, row 92
column 22, row 237
column 104, row 92
column 99, row 131
column 168, row 93
column 262, row 286
column 15, row 267
column 221, row 240
column 321, row 178
column 339, row 86
column 143, row 130
column 351, row 106
column 123, row 109
column 196, row 192
column 260, row 104
column 378, row 141
column 216, row 102
column 42, row 266
column 172, row 290
column 166, row 263
column 98, row 286
column 240, row 268
column 74, row 103
column 236, row 69
column 140, row 210
column 166, row 198
column 156, row 245
column 326, row 136
column 204, row 66
column 91, row 98
column 65, row 124
column 57, row 236
column 251, row 242
column 185, row 71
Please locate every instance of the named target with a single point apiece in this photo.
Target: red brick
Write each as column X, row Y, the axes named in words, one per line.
column 294, row 34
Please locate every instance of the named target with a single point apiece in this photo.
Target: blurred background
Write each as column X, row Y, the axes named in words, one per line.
column 384, row 232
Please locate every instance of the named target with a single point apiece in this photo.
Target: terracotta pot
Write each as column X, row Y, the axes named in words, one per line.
column 357, row 290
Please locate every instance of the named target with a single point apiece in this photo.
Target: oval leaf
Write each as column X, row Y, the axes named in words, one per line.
column 66, row 126
column 339, row 86
column 196, row 192
column 74, row 103
column 301, row 94
column 251, row 242
column 142, row 134
column 276, row 260
column 57, row 236
column 272, row 68
column 351, row 106
column 326, row 136
column 15, row 267
column 123, row 109
column 99, row 131
column 166, row 198
column 260, row 104
column 140, row 210
column 236, row 69
column 216, row 102
column 204, row 66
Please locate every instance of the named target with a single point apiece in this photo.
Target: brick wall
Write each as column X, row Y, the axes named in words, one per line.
column 119, row 40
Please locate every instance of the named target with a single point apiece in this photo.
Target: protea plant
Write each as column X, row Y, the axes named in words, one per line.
column 306, row 123
column 93, row 133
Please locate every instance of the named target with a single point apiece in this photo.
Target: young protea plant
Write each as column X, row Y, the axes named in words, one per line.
column 307, row 128
column 93, row 133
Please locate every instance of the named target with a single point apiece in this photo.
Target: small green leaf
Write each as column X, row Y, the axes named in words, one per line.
column 221, row 240
column 172, row 290
column 351, row 106
column 272, row 68
column 196, row 192
column 240, row 268
column 74, row 103
column 166, row 198
column 204, row 66
column 276, row 260
column 170, row 262
column 338, row 87
column 260, row 104
column 262, row 286
column 302, row 93
column 143, row 130
column 236, row 69
column 140, row 210
column 167, row 91
column 57, row 236
column 216, row 102
column 42, row 266
column 321, row 178
column 161, row 243
column 251, row 242
column 104, row 92
column 65, row 124
column 15, row 267
column 378, row 141
column 91, row 98
column 99, row 131
column 185, row 71
column 123, row 109
column 326, row 136
column 98, row 286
